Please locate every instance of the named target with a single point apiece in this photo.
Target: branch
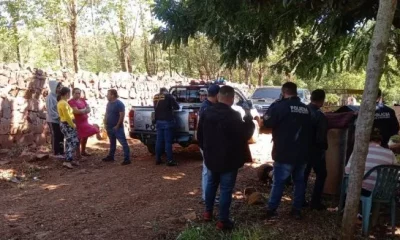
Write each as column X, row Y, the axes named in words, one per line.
column 114, row 35
column 83, row 6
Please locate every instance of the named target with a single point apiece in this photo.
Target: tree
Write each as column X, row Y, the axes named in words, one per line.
column 376, row 60
column 74, row 10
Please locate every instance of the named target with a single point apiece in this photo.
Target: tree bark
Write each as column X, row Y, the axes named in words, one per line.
column 123, row 38
column 58, row 30
column 365, row 119
column 73, row 29
column 247, row 72
column 16, row 40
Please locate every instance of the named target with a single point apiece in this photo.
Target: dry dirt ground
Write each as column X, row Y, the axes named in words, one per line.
column 140, row 201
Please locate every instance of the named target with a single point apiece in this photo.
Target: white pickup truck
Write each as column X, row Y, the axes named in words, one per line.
column 186, row 118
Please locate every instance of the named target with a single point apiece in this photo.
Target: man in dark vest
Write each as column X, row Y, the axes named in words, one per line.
column 290, row 121
column 385, row 120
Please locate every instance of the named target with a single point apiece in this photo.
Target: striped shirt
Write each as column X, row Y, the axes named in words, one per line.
column 377, row 155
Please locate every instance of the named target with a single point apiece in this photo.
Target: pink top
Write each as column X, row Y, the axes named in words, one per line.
column 81, row 120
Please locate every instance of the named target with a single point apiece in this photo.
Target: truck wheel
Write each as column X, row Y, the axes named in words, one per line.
column 256, row 133
column 151, row 148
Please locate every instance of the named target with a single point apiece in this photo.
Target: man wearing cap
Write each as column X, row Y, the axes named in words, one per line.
column 212, row 93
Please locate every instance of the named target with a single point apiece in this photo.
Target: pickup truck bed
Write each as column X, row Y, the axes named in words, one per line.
column 186, row 118
column 145, row 130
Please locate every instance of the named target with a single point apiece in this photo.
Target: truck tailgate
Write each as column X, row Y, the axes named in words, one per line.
column 143, row 116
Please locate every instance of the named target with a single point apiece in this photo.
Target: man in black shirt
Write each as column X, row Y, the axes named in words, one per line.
column 385, row 120
column 223, row 136
column 164, row 106
column 318, row 148
column 290, row 121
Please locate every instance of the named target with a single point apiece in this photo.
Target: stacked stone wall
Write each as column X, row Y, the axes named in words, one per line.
column 23, row 93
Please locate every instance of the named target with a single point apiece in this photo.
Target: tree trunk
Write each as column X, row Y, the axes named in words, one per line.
column 247, row 72
column 73, row 29
column 60, row 53
column 261, row 71
column 170, row 61
column 123, row 38
column 365, row 118
column 16, row 40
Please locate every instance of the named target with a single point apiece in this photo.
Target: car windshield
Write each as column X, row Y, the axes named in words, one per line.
column 188, row 95
column 265, row 93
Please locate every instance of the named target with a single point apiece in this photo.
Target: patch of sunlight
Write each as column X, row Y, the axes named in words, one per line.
column 194, row 192
column 238, row 195
column 11, row 217
column 174, row 177
column 286, row 198
column 52, row 187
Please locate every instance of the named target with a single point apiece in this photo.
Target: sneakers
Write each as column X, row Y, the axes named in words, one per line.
column 296, row 214
column 108, row 159
column 68, row 165
column 126, row 163
column 172, row 164
column 225, row 225
column 207, row 216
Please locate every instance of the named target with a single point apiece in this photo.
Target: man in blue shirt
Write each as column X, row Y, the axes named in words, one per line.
column 212, row 94
column 114, row 124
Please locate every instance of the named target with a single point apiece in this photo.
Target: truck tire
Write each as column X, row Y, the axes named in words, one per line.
column 256, row 133
column 151, row 148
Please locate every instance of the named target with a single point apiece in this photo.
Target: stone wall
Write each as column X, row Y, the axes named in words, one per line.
column 23, row 93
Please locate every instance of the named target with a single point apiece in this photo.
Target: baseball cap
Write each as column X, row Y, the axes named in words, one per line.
column 213, row 90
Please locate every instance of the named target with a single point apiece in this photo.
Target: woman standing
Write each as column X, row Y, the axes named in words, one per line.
column 85, row 130
column 68, row 128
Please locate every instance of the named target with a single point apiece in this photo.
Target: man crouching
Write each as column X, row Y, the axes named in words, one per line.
column 223, row 136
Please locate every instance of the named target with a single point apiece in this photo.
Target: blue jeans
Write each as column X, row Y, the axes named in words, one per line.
column 226, row 181
column 165, row 134
column 113, row 136
column 281, row 173
column 204, row 178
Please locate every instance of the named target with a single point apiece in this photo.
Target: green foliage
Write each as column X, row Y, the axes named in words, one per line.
column 208, row 232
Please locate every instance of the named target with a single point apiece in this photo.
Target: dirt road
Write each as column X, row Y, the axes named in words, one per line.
column 106, row 200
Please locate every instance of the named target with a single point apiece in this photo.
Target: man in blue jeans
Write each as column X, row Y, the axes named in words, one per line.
column 223, row 136
column 290, row 121
column 164, row 106
column 114, row 123
column 212, row 93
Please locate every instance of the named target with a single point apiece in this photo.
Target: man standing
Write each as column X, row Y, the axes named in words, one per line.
column 114, row 124
column 318, row 148
column 223, row 136
column 53, row 119
column 212, row 93
column 290, row 121
column 385, row 120
column 164, row 106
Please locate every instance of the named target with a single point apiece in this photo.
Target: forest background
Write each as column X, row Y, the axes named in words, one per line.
column 112, row 36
